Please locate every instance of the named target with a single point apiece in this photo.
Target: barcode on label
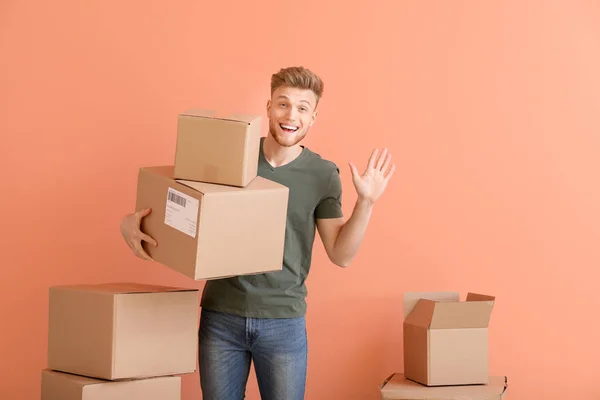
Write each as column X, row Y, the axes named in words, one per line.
column 181, row 212
column 177, row 199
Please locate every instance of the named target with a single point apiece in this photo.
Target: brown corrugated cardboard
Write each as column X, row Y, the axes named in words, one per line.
column 445, row 339
column 397, row 387
column 208, row 231
column 217, row 149
column 122, row 330
column 63, row 386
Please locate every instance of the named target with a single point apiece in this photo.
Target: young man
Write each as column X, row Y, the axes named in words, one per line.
column 260, row 318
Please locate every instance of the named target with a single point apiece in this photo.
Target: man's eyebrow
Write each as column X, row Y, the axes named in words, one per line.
column 283, row 96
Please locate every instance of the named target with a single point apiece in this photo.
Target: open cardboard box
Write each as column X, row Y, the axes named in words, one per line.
column 445, row 339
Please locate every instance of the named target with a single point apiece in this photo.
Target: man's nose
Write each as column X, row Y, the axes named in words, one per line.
column 292, row 114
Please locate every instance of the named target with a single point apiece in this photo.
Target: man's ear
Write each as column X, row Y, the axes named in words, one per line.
column 269, row 108
column 314, row 118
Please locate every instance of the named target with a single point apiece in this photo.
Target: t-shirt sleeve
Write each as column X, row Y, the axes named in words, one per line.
column 330, row 205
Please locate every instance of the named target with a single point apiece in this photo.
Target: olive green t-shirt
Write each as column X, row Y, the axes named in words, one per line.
column 315, row 191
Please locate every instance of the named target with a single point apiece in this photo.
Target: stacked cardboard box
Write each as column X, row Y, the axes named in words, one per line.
column 119, row 341
column 445, row 343
column 212, row 215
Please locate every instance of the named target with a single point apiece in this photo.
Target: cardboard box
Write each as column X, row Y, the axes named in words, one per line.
column 208, row 231
column 122, row 330
column 217, row 149
column 445, row 339
column 62, row 386
column 397, row 387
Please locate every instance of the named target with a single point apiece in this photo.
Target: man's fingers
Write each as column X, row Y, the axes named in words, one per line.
column 130, row 244
column 142, row 213
column 139, row 251
column 371, row 163
column 353, row 169
column 389, row 174
column 385, row 165
column 147, row 238
column 381, row 159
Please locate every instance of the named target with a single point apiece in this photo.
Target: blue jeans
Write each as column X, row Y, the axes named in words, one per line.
column 228, row 344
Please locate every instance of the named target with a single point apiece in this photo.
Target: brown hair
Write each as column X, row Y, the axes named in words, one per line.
column 298, row 77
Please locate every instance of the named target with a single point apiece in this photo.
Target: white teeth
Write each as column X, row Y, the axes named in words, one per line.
column 289, row 127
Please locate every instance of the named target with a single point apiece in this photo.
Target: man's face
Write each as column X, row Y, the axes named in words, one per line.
column 291, row 112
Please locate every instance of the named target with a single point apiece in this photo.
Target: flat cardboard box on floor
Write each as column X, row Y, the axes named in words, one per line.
column 445, row 339
column 122, row 330
column 63, row 386
column 208, row 231
column 398, row 387
column 217, row 149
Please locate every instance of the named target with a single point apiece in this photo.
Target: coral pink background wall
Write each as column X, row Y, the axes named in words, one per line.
column 491, row 112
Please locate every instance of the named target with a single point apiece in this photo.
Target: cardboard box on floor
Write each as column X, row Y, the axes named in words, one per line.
column 63, row 386
column 122, row 330
column 398, row 387
column 208, row 231
column 445, row 339
column 217, row 149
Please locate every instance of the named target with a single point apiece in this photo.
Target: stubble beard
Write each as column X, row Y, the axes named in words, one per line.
column 284, row 143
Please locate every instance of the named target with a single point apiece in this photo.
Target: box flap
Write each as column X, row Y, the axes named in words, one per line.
column 78, row 380
column 207, row 188
column 455, row 315
column 81, row 380
column 385, row 381
column 248, row 118
column 205, row 113
column 421, row 314
column 411, row 298
column 54, row 381
column 199, row 112
column 123, row 288
column 399, row 388
column 166, row 171
column 258, row 183
column 480, row 297
column 160, row 388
